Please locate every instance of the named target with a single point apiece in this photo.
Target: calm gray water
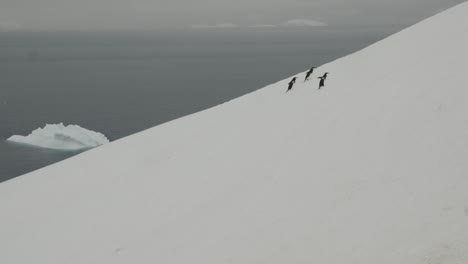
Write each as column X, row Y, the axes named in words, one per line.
column 119, row 84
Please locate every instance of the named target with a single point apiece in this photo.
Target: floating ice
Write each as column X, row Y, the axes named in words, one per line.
column 225, row 25
column 58, row 136
column 304, row 23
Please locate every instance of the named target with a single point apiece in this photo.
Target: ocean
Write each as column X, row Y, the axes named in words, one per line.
column 122, row 83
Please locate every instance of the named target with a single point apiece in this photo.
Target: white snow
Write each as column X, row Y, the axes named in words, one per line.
column 304, row 23
column 58, row 136
column 371, row 169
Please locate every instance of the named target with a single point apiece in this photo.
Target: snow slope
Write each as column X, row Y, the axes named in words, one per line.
column 372, row 169
column 58, row 136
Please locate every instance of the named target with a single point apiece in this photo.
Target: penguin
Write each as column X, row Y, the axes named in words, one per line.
column 322, row 82
column 291, row 84
column 309, row 73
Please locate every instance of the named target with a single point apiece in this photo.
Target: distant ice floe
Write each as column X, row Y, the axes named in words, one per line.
column 263, row 26
column 304, row 23
column 60, row 137
column 226, row 25
column 291, row 23
column 9, row 26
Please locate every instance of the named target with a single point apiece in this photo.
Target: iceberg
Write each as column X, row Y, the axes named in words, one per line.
column 61, row 137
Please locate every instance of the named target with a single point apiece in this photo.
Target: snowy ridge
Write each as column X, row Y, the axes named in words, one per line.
column 58, row 136
column 371, row 169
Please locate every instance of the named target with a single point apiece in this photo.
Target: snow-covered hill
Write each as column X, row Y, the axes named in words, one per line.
column 371, row 169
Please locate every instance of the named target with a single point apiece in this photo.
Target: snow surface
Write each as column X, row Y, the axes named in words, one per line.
column 58, row 136
column 371, row 169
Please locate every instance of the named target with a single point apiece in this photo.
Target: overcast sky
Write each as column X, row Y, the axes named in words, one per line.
column 177, row 14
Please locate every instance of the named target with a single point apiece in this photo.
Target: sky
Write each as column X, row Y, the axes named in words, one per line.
column 96, row 15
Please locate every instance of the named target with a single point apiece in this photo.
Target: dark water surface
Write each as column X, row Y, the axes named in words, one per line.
column 119, row 84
